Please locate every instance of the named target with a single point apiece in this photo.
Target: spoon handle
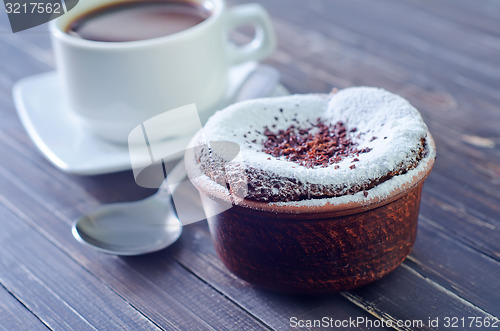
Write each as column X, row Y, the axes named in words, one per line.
column 176, row 176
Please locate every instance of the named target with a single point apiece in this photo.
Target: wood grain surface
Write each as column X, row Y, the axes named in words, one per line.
column 443, row 55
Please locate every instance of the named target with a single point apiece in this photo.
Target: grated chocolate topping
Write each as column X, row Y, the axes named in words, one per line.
column 319, row 145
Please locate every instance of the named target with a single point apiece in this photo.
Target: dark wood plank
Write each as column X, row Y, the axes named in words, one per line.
column 471, row 225
column 434, row 256
column 14, row 314
column 392, row 26
column 472, row 166
column 8, row 121
column 11, row 73
column 55, row 288
column 406, row 295
column 36, row 40
column 480, row 15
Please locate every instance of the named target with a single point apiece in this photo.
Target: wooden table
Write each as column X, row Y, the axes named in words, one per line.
column 443, row 55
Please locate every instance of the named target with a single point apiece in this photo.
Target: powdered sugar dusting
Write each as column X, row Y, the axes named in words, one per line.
column 379, row 192
column 385, row 123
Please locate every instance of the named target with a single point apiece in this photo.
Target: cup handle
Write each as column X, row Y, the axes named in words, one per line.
column 264, row 42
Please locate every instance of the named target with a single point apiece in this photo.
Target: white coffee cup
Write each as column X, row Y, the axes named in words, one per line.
column 114, row 86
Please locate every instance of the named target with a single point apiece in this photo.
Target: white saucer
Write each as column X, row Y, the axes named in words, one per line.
column 62, row 140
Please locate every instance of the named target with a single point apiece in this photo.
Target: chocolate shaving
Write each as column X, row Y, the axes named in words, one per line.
column 320, row 145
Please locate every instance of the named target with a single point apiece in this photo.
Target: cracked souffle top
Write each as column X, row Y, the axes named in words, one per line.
column 307, row 147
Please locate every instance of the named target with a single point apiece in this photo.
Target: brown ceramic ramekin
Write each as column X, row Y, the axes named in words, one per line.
column 314, row 249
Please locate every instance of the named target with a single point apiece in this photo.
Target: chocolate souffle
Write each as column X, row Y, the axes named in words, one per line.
column 310, row 147
column 322, row 194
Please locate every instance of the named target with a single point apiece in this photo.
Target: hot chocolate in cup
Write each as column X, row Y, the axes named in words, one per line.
column 116, row 84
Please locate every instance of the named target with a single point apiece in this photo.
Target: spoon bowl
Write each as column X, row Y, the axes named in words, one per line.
column 130, row 228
